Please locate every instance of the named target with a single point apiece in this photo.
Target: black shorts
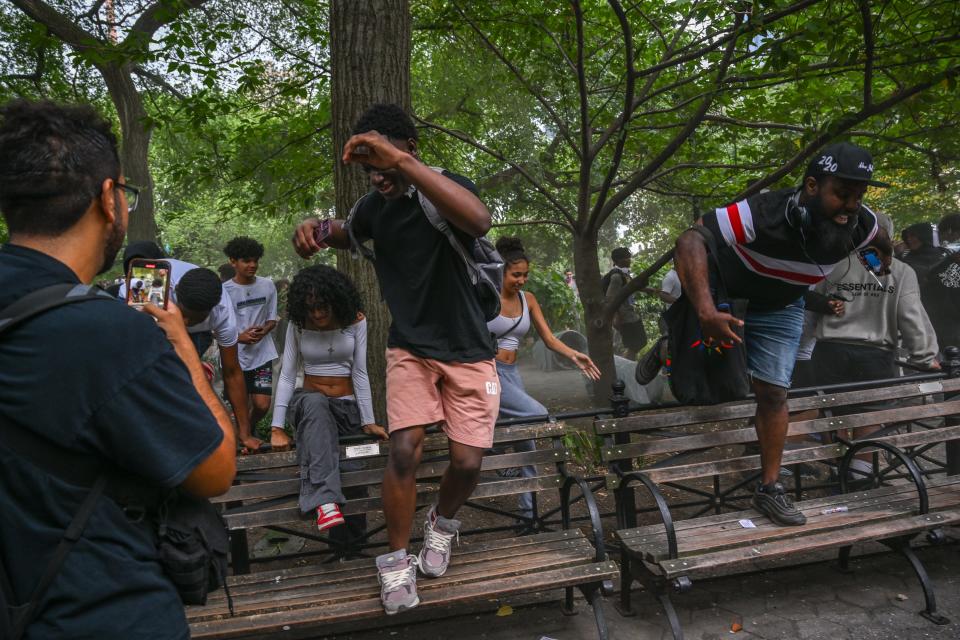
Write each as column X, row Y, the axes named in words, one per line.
column 260, row 380
column 633, row 335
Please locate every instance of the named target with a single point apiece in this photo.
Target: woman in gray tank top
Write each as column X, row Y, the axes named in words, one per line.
column 518, row 310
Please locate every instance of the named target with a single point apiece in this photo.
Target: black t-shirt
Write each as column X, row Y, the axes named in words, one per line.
column 940, row 292
column 424, row 282
column 924, row 259
column 100, row 379
column 765, row 259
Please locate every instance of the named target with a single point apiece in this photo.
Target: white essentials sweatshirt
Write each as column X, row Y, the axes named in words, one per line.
column 884, row 315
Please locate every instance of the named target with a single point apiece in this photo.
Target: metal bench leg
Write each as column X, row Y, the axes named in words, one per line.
column 239, row 552
column 624, row 607
column 664, row 597
column 567, row 607
column 592, row 594
column 844, row 559
column 930, row 613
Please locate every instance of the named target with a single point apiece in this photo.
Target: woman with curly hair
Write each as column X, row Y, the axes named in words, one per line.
column 518, row 310
column 327, row 337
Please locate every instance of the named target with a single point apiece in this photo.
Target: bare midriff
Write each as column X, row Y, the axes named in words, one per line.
column 330, row 386
column 506, row 357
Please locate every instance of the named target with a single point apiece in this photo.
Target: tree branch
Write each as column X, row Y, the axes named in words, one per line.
column 868, row 46
column 559, row 206
column 641, row 176
column 160, row 81
column 844, row 125
column 554, row 116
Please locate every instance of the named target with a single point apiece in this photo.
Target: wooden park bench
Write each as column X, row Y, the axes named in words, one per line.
column 695, row 450
column 303, row 601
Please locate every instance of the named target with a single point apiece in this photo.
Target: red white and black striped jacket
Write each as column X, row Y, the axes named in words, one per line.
column 766, row 259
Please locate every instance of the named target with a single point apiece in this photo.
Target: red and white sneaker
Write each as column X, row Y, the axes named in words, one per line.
column 328, row 515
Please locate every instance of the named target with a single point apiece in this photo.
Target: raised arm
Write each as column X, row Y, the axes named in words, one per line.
column 454, row 202
column 361, row 382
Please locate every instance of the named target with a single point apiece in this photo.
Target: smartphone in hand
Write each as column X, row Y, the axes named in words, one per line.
column 148, row 281
column 871, row 260
column 322, row 231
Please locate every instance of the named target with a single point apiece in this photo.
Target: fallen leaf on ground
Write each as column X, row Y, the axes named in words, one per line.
column 505, row 610
column 736, row 627
column 901, row 597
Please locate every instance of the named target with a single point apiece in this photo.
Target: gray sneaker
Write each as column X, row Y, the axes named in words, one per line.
column 397, row 573
column 437, row 539
column 649, row 365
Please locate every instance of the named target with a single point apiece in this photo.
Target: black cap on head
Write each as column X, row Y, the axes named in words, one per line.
column 141, row 249
column 846, row 161
column 620, row 253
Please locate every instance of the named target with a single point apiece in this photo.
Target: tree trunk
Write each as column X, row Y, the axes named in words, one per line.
column 134, row 148
column 599, row 331
column 370, row 44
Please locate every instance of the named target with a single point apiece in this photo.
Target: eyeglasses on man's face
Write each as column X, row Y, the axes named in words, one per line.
column 131, row 192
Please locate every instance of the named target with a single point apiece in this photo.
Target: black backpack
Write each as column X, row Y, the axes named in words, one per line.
column 192, row 536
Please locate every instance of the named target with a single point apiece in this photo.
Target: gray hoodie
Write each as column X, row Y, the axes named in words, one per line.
column 886, row 315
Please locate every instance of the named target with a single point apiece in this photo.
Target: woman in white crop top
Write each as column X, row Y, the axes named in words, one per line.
column 327, row 338
column 518, row 310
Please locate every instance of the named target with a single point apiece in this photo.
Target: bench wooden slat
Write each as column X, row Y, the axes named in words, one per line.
column 287, row 511
column 433, row 442
column 738, row 410
column 790, row 456
column 745, row 557
column 861, row 511
column 701, row 525
column 749, row 434
column 363, row 583
column 336, row 573
column 431, row 596
column 373, row 477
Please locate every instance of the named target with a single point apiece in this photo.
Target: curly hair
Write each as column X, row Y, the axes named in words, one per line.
column 53, row 161
column 320, row 286
column 387, row 119
column 199, row 290
column 511, row 250
column 243, row 248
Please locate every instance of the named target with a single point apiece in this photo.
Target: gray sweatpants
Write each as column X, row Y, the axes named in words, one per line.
column 319, row 422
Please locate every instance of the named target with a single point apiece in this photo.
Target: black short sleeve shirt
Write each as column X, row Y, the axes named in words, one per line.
column 100, row 379
column 423, row 281
column 766, row 259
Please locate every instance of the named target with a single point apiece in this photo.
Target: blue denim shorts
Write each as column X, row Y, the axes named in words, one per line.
column 772, row 339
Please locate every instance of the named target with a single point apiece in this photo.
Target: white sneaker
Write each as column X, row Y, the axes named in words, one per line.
column 438, row 535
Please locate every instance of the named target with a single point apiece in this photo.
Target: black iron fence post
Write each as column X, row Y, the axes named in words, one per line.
column 620, row 408
column 951, row 365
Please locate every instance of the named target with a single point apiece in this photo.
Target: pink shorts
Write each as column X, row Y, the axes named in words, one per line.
column 463, row 396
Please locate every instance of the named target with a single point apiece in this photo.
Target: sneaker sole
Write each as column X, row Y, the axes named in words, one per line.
column 402, row 608
column 330, row 523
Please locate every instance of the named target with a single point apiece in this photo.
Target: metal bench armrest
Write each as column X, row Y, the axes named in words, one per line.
column 631, row 477
column 915, row 473
column 591, row 502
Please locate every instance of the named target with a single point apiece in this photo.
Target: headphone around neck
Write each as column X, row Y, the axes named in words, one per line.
column 797, row 215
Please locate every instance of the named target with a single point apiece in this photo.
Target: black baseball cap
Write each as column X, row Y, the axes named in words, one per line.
column 844, row 160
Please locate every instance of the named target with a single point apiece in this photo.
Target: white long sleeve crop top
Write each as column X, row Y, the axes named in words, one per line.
column 337, row 352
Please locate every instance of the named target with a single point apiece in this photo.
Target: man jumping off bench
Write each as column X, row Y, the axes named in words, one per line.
column 440, row 367
column 774, row 246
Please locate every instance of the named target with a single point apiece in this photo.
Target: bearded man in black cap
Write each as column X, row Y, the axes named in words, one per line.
column 772, row 247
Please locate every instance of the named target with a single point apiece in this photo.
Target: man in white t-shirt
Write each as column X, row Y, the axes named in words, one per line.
column 255, row 304
column 211, row 318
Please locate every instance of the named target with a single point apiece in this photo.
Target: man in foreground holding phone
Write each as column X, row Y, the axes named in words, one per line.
column 773, row 246
column 440, row 366
column 97, row 378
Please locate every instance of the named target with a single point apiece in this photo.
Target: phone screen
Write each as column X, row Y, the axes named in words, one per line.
column 148, row 281
column 871, row 260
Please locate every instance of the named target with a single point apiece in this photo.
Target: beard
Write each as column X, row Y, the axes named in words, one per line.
column 830, row 238
column 114, row 242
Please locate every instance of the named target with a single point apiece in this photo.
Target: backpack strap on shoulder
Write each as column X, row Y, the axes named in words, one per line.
column 356, row 241
column 45, row 299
